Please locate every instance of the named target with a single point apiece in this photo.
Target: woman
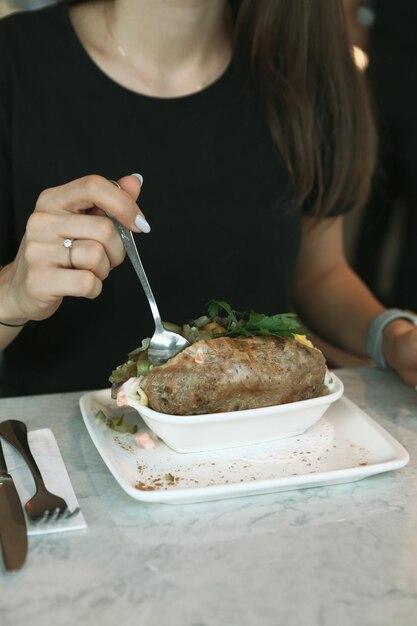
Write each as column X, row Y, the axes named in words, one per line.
column 251, row 128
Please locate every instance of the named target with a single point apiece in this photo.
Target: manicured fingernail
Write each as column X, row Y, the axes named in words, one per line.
column 142, row 224
column 139, row 177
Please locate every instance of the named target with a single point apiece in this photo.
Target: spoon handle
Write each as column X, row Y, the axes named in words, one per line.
column 133, row 254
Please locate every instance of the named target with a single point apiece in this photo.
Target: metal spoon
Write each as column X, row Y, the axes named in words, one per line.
column 164, row 343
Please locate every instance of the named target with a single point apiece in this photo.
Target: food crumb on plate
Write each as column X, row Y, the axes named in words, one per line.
column 144, row 440
column 144, row 487
column 158, row 482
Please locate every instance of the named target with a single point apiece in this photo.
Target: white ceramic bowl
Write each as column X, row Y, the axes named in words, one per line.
column 213, row 431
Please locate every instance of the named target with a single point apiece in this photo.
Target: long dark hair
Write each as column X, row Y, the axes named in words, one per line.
column 315, row 99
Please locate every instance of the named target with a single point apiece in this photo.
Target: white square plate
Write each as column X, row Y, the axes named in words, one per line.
column 345, row 445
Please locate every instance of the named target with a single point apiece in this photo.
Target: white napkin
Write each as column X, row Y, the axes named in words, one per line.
column 52, row 467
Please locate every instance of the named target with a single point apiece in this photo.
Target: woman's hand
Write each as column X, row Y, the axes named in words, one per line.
column 400, row 349
column 33, row 286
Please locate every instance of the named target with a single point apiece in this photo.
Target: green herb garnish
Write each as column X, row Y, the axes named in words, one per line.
column 249, row 324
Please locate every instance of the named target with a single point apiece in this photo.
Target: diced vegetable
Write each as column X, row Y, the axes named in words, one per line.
column 201, row 321
column 193, row 334
column 121, row 425
column 142, row 348
column 175, row 328
column 214, row 328
column 100, row 417
column 118, row 423
column 143, row 368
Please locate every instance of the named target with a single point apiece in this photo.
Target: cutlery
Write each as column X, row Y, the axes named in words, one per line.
column 13, row 535
column 44, row 506
column 164, row 343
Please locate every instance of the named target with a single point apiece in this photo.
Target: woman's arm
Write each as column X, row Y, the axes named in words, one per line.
column 337, row 305
column 7, row 333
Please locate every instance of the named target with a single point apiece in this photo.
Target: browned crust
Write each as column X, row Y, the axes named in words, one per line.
column 235, row 374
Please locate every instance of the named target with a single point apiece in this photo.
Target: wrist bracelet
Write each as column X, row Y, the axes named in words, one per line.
column 374, row 339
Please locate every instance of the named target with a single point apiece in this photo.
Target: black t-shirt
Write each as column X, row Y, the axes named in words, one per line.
column 392, row 69
column 215, row 193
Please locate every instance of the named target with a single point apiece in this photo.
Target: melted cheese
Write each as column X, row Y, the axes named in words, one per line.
column 305, row 342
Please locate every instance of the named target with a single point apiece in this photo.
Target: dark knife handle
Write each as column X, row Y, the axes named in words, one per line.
column 3, row 466
column 13, row 533
column 15, row 433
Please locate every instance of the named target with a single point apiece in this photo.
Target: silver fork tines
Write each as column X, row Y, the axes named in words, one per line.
column 57, row 515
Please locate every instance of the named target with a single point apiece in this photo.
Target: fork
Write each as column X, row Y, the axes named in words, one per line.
column 44, row 506
column 164, row 343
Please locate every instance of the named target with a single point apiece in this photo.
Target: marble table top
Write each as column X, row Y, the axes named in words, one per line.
column 343, row 555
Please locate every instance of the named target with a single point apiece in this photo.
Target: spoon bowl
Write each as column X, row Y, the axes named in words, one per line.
column 164, row 345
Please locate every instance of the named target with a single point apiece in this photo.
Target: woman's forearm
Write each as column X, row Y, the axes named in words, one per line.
column 7, row 316
column 339, row 307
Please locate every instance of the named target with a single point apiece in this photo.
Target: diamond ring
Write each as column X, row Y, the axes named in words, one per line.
column 68, row 243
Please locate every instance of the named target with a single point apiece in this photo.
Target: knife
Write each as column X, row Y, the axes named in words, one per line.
column 13, row 534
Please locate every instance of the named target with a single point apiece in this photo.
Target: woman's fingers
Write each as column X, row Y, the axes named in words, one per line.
column 87, row 255
column 132, row 184
column 83, row 255
column 52, row 283
column 44, row 227
column 92, row 191
column 406, row 356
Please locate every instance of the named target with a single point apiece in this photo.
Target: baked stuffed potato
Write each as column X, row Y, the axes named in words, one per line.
column 235, row 362
column 231, row 374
